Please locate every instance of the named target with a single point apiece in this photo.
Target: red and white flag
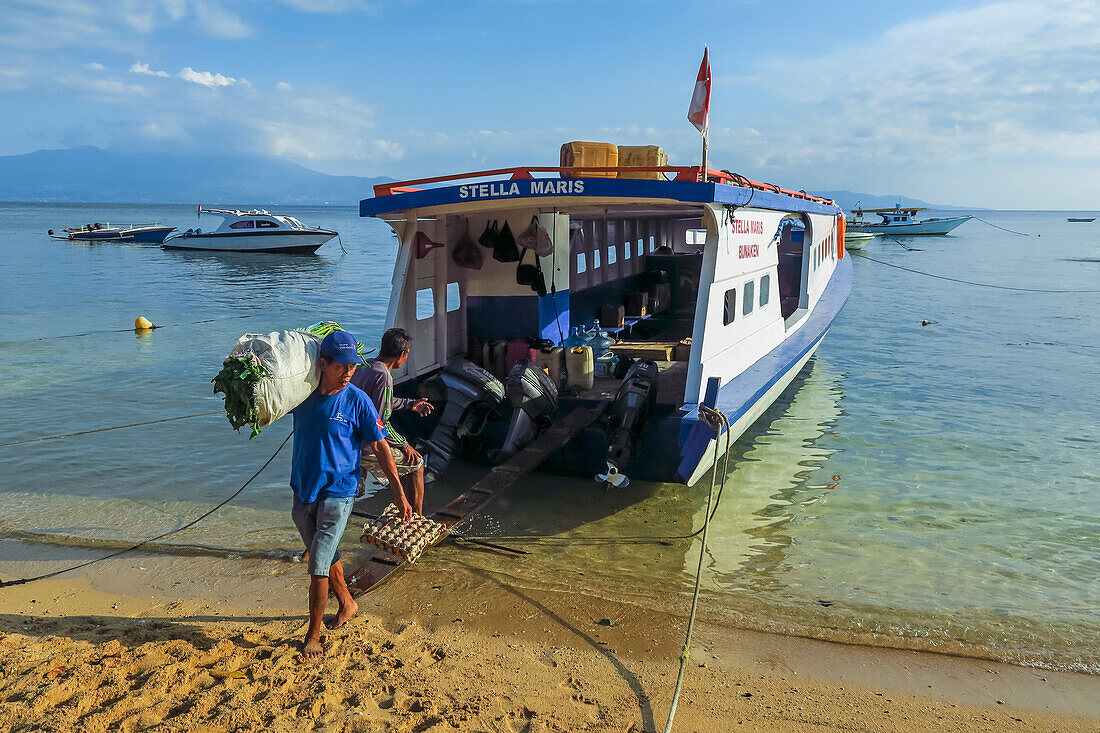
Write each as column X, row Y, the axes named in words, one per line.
column 699, row 111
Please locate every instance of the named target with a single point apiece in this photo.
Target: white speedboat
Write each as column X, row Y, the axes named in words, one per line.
column 856, row 240
column 251, row 231
column 899, row 220
column 729, row 287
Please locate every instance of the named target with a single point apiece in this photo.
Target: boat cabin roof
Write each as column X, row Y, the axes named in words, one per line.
column 910, row 210
column 520, row 188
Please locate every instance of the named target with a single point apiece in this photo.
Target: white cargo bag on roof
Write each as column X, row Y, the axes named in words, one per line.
column 290, row 358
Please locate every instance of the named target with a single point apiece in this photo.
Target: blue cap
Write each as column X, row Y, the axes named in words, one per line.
column 340, row 346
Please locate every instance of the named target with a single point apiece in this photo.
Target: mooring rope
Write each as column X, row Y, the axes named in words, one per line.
column 192, row 523
column 128, row 330
column 969, row 282
column 113, row 427
column 717, row 416
column 1003, row 229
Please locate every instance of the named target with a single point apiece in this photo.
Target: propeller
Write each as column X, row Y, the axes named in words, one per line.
column 613, row 477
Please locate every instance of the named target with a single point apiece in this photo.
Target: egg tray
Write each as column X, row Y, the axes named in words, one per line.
column 406, row 540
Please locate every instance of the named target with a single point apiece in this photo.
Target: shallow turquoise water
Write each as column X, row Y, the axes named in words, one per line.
column 918, row 486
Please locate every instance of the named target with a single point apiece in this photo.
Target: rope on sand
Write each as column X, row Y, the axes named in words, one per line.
column 718, row 421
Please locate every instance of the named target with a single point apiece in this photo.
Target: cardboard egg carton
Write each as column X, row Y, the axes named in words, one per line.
column 406, row 540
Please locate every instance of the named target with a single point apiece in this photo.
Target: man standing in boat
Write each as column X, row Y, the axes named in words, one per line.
column 330, row 428
column 377, row 381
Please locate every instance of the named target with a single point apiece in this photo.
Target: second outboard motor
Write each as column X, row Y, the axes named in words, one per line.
column 634, row 403
column 534, row 400
column 472, row 395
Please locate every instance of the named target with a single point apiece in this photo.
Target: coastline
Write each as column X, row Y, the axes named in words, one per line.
column 173, row 643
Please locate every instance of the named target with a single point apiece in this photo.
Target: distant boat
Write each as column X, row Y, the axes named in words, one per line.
column 143, row 234
column 252, row 231
column 900, row 220
column 1081, row 219
column 856, row 240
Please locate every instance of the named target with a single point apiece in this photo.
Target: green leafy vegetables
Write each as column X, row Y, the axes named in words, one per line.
column 237, row 380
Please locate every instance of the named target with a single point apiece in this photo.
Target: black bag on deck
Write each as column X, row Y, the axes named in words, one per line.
column 488, row 238
column 531, row 275
column 505, row 249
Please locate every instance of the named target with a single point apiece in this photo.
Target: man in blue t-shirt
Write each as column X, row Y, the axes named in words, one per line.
column 329, row 428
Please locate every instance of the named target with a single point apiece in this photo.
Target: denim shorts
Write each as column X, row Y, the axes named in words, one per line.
column 321, row 525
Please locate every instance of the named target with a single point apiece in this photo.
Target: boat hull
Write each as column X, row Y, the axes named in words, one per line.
column 856, row 240
column 745, row 397
column 137, row 235
column 291, row 242
column 929, row 226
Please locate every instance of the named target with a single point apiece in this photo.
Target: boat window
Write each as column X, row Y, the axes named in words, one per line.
column 626, row 250
column 652, row 243
column 765, row 290
column 641, row 248
column 750, row 297
column 611, row 254
column 454, row 298
column 582, row 266
column 697, row 236
column 244, row 224
column 425, row 304
column 595, row 259
column 264, row 224
column 729, row 310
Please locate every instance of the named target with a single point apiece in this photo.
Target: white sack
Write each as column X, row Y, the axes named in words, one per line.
column 290, row 358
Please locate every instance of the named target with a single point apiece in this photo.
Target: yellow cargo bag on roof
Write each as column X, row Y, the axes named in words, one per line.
column 642, row 156
column 575, row 156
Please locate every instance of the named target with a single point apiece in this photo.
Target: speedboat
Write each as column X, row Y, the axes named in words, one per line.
column 251, row 231
column 899, row 220
column 141, row 234
column 717, row 290
column 856, row 240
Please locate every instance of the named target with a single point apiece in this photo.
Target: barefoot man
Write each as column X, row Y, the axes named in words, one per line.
column 329, row 428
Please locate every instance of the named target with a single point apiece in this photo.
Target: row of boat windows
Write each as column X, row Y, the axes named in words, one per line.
column 748, row 299
column 613, row 254
column 254, row 224
column 425, row 301
column 823, row 251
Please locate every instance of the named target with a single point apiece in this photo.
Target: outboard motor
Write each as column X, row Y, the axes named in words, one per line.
column 472, row 395
column 534, row 399
column 634, row 403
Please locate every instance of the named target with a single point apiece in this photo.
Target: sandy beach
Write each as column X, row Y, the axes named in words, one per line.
column 207, row 643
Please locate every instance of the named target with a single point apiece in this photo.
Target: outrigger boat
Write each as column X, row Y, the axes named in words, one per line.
column 251, row 231
column 141, row 234
column 899, row 220
column 856, row 240
column 752, row 277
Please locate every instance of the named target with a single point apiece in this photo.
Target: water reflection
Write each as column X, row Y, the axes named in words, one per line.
column 771, row 485
column 230, row 276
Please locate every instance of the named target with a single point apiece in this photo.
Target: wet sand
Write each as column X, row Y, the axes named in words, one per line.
column 205, row 643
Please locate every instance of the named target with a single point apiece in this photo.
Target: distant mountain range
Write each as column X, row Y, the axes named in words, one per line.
column 110, row 176
column 847, row 200
column 95, row 175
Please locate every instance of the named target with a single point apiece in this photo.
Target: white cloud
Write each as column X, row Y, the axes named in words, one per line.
column 221, row 22
column 282, row 86
column 95, row 66
column 140, row 68
column 205, row 78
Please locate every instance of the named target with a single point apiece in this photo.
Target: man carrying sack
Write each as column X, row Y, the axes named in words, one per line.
column 330, row 427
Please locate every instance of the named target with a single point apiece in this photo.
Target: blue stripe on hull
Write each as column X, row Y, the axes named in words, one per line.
column 738, row 396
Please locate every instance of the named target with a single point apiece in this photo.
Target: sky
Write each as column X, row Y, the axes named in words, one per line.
column 990, row 104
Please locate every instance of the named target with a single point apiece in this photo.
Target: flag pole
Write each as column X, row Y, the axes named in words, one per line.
column 705, row 131
column 706, row 125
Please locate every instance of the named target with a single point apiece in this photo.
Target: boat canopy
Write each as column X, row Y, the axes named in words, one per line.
column 495, row 189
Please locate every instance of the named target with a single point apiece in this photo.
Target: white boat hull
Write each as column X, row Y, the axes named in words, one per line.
column 855, row 240
column 276, row 241
column 928, row 226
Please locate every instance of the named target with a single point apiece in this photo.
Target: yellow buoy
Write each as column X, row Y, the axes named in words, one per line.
column 141, row 323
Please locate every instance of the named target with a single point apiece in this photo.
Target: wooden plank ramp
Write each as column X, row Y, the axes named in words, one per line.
column 379, row 564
